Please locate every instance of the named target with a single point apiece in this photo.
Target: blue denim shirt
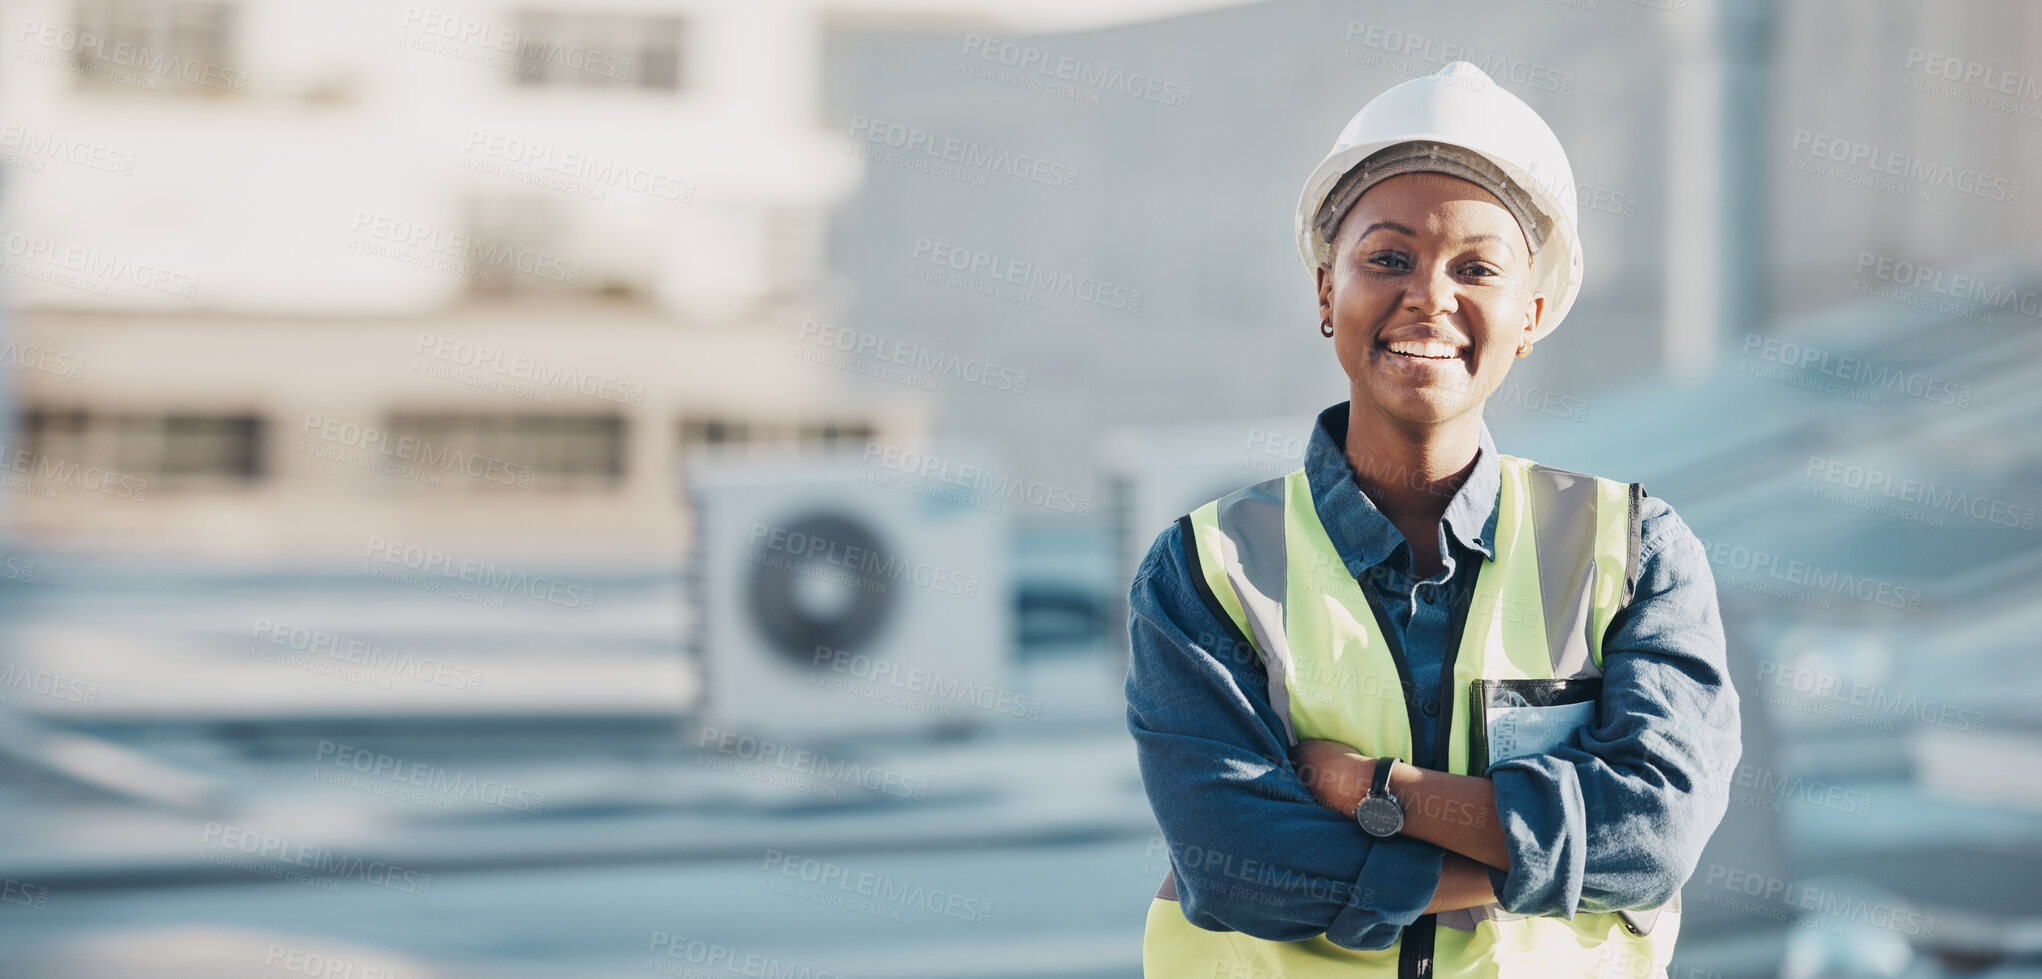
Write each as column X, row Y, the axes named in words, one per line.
column 1255, row 853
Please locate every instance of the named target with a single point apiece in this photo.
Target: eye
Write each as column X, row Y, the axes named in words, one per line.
column 1480, row 270
column 1392, row 260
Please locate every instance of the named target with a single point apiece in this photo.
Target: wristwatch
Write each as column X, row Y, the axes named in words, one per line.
column 1379, row 813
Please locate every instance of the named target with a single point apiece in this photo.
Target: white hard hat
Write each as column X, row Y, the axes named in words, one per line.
column 1460, row 106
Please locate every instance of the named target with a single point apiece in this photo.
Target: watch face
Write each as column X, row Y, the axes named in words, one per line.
column 1379, row 815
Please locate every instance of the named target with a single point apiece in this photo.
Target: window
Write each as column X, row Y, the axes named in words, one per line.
column 835, row 433
column 183, row 47
column 580, row 50
column 696, row 433
column 175, row 450
column 547, row 452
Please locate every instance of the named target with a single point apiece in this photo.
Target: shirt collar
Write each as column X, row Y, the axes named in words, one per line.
column 1360, row 532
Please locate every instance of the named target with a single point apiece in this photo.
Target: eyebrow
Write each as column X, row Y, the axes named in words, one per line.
column 1391, row 225
column 1402, row 230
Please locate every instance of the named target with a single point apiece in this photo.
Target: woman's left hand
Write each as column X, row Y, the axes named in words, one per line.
column 1337, row 774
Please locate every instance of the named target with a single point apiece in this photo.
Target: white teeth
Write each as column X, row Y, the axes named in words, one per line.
column 1424, row 348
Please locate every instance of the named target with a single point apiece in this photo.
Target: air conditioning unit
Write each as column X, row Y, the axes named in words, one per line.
column 1157, row 473
column 848, row 594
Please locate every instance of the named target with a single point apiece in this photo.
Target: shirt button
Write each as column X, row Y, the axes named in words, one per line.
column 1431, row 708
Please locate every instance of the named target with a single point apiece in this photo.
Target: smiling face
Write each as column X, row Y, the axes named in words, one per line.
column 1429, row 291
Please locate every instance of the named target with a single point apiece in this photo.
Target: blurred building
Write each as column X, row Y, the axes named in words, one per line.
column 457, row 267
column 290, row 276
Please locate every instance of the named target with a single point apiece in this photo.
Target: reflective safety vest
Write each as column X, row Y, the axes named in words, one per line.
column 1566, row 561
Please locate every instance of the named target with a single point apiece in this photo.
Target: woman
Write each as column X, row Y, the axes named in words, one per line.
column 1420, row 707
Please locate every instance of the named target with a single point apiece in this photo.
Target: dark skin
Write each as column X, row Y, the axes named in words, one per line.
column 1429, row 292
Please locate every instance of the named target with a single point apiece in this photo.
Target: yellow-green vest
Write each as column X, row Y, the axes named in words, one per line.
column 1566, row 561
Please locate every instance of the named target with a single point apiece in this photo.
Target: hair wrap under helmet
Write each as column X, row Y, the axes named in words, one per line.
column 1427, row 156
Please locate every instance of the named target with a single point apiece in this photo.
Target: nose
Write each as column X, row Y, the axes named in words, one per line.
column 1432, row 293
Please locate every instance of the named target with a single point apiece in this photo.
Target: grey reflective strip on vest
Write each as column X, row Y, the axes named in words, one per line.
column 1253, row 557
column 1168, row 892
column 1563, row 521
column 1564, row 524
column 1631, row 569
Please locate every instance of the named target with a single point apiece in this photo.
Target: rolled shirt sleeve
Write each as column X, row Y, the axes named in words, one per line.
column 1252, row 850
column 1652, row 767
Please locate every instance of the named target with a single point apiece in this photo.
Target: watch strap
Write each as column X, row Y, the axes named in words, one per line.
column 1380, row 784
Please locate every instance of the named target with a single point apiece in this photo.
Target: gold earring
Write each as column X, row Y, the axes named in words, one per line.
column 1326, row 328
column 1524, row 349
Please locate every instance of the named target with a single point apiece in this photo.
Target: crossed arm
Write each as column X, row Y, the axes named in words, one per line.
column 1454, row 812
column 1251, row 849
column 1614, row 819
